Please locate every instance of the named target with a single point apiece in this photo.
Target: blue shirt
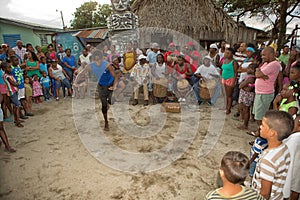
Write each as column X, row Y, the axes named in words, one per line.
column 260, row 144
column 45, row 81
column 152, row 57
column 70, row 61
column 1, row 76
column 43, row 67
column 102, row 74
column 18, row 75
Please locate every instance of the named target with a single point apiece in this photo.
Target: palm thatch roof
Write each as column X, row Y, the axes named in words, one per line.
column 196, row 18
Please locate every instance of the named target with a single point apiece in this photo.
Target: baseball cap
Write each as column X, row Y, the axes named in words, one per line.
column 213, row 46
column 142, row 57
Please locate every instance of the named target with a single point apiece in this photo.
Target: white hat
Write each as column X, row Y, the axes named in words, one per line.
column 213, row 46
column 142, row 57
column 155, row 45
column 207, row 57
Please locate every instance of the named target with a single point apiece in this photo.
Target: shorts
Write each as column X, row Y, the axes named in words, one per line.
column 246, row 98
column 1, row 115
column 3, row 89
column 21, row 93
column 14, row 99
column 261, row 105
column 65, row 82
column 228, row 82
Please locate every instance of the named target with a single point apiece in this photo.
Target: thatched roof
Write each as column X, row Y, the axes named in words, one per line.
column 190, row 17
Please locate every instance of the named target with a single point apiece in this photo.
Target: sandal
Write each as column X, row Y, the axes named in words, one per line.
column 18, row 124
column 10, row 150
column 57, row 98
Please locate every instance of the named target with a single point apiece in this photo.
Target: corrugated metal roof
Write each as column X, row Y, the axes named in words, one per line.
column 97, row 33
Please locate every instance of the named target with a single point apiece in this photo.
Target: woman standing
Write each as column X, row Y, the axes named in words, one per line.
column 129, row 58
column 229, row 77
column 32, row 64
column 107, row 80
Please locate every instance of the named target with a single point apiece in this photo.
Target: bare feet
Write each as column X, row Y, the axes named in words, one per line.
column 10, row 150
column 106, row 127
column 242, row 127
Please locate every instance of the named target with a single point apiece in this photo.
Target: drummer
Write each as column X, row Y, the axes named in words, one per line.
column 207, row 71
column 159, row 72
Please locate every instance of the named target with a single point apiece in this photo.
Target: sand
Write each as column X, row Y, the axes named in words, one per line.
column 63, row 154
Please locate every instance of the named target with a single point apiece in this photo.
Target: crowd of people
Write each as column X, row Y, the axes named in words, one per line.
column 264, row 85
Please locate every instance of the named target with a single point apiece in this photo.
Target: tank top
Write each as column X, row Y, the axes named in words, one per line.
column 228, row 70
column 286, row 106
column 32, row 72
column 102, row 74
column 58, row 73
column 159, row 70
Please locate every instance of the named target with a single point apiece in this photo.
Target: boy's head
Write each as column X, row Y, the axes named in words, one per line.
column 234, row 167
column 44, row 74
column 26, row 79
column 14, row 60
column 276, row 125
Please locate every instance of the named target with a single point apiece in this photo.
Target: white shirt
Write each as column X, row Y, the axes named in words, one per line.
column 207, row 71
column 293, row 178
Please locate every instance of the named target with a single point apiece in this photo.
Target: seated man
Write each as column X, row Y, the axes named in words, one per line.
column 207, row 71
column 140, row 74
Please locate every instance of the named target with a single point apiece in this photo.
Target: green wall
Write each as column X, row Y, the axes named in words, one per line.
column 27, row 35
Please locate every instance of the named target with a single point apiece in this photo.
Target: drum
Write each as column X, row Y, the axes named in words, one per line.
column 160, row 87
column 183, row 86
column 207, row 88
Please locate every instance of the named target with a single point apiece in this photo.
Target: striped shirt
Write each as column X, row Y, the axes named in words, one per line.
column 10, row 89
column 273, row 167
column 239, row 57
column 245, row 194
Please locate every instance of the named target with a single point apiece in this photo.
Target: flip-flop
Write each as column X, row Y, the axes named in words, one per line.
column 252, row 133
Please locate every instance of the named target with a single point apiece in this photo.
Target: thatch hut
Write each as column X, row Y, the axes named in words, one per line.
column 201, row 20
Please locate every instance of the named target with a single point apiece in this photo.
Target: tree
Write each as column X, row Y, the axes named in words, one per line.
column 90, row 14
column 279, row 12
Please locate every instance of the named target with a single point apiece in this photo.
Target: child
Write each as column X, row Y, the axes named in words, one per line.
column 3, row 135
column 233, row 171
column 37, row 89
column 80, row 81
column 12, row 92
column 259, row 145
column 288, row 103
column 43, row 65
column 271, row 170
column 28, row 93
column 292, row 186
column 246, row 96
column 45, row 82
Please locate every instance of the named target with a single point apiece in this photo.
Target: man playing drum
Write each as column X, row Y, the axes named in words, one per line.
column 208, row 79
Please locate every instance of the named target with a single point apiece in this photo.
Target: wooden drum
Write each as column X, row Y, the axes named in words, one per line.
column 160, row 88
column 183, row 86
column 207, row 88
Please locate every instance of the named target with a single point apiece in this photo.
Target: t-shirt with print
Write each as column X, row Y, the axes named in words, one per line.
column 17, row 73
column 45, row 81
column 273, row 167
column 267, row 86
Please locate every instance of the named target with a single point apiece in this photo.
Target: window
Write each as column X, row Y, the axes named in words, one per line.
column 11, row 39
column 44, row 40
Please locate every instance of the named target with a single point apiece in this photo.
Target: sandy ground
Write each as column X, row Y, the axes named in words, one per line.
column 51, row 161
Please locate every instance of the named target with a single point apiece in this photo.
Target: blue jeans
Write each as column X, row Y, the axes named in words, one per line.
column 252, row 168
column 46, row 92
column 214, row 98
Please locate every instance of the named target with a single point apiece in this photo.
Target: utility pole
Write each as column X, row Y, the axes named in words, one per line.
column 62, row 19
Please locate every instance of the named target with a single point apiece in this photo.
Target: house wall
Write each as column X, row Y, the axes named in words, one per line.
column 27, row 35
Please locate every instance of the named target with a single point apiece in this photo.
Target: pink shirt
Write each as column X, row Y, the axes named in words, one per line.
column 267, row 86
